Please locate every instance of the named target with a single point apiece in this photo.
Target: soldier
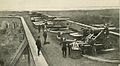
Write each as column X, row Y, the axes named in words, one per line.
column 45, row 36
column 38, row 43
column 69, row 49
column 64, row 47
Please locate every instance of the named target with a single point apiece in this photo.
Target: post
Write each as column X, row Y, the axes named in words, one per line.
column 28, row 56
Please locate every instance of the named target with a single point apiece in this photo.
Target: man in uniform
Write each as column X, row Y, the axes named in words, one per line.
column 45, row 36
column 69, row 49
column 38, row 43
column 64, row 47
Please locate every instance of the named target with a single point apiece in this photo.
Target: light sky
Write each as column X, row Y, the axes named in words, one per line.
column 57, row 4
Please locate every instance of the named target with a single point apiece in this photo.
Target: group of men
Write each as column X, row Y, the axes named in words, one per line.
column 38, row 41
column 65, row 45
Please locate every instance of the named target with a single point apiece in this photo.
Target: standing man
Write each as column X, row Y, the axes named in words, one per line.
column 69, row 49
column 64, row 47
column 45, row 36
column 38, row 43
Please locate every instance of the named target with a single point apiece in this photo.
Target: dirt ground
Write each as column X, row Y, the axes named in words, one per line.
column 53, row 55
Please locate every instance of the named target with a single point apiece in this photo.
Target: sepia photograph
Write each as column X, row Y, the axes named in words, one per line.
column 59, row 33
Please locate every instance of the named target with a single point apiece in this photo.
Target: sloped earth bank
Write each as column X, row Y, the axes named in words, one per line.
column 53, row 55
column 11, row 36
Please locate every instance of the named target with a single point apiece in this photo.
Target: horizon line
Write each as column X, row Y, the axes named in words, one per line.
column 67, row 9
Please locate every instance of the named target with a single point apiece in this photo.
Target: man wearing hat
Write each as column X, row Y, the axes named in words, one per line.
column 38, row 43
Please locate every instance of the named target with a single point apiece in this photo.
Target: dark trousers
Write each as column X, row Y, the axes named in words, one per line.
column 38, row 50
column 69, row 50
column 64, row 52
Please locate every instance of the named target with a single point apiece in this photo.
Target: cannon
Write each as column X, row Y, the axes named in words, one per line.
column 98, row 37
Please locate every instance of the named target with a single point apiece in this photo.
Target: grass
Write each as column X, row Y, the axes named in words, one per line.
column 10, row 40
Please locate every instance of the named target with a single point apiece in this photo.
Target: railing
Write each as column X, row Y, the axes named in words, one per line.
column 18, row 53
column 39, row 60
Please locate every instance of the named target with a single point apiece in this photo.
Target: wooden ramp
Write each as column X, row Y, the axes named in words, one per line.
column 39, row 60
